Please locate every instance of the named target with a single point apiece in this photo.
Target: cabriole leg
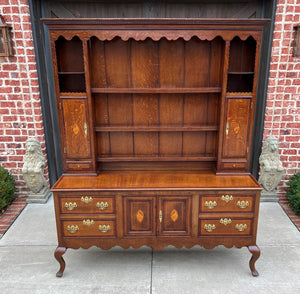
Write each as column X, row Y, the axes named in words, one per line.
column 58, row 255
column 255, row 255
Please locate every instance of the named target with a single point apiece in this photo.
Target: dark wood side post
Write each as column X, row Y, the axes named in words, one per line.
column 255, row 255
column 58, row 255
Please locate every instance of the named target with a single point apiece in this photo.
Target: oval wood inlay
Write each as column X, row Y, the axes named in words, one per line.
column 140, row 216
column 75, row 129
column 174, row 215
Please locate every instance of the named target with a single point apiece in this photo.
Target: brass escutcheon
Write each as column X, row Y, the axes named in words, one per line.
column 70, row 205
column 227, row 198
column 209, row 227
column 210, row 204
column 86, row 199
column 88, row 222
column 242, row 204
column 104, row 228
column 160, row 216
column 72, row 229
column 102, row 205
column 241, row 227
column 225, row 221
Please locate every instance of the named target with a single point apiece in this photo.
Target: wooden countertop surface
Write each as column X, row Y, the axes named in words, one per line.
column 156, row 180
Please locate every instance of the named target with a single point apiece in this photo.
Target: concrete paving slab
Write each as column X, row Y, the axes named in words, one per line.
column 31, row 269
column 274, row 227
column 34, row 226
column 226, row 271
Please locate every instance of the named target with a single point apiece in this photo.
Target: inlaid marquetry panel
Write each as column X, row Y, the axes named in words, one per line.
column 139, row 216
column 175, row 214
column 76, row 129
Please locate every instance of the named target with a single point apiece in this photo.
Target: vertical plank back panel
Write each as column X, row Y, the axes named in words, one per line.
column 97, row 61
column 117, row 68
column 216, row 62
column 144, row 74
column 171, row 115
column 197, row 61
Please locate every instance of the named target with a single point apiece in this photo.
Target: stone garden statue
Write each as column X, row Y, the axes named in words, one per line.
column 33, row 172
column 271, row 169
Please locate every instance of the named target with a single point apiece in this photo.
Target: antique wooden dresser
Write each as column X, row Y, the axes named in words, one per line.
column 156, row 120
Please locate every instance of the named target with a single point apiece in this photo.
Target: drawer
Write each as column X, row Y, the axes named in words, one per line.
column 227, row 203
column 89, row 228
column 225, row 226
column 87, row 204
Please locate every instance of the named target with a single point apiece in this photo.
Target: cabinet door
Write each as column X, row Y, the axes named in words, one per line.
column 236, row 134
column 76, row 137
column 139, row 216
column 174, row 215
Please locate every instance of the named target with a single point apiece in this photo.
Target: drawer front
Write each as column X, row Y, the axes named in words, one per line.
column 225, row 226
column 227, row 203
column 87, row 204
column 89, row 228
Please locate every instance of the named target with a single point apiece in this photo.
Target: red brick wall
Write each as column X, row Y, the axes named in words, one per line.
column 20, row 107
column 282, row 118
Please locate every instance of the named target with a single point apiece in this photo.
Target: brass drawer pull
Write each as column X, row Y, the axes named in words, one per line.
column 209, row 227
column 70, row 205
column 242, row 204
column 88, row 222
column 225, row 221
column 241, row 227
column 72, row 229
column 86, row 199
column 227, row 198
column 210, row 204
column 104, row 228
column 102, row 205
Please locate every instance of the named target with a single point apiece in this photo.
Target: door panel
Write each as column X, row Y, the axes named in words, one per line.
column 76, row 134
column 237, row 128
column 139, row 216
column 174, row 215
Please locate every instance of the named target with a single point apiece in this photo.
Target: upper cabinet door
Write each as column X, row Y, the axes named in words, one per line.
column 237, row 128
column 76, row 137
column 174, row 215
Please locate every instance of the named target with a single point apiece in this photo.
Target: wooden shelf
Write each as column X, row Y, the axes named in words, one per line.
column 157, row 90
column 156, row 158
column 158, row 129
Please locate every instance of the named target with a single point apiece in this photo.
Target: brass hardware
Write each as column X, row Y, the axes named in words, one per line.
column 60, row 106
column 104, row 228
column 88, row 222
column 102, row 205
column 227, row 198
column 210, row 204
column 85, row 128
column 65, row 150
column 227, row 129
column 225, row 221
column 209, row 227
column 70, row 205
column 160, row 216
column 241, row 227
column 242, row 204
column 86, row 199
column 72, row 229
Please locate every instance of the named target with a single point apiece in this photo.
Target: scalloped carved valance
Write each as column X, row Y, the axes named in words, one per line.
column 155, row 29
